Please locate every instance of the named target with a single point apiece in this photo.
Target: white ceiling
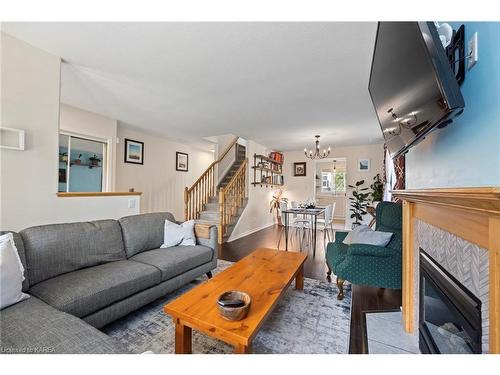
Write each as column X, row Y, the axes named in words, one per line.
column 276, row 83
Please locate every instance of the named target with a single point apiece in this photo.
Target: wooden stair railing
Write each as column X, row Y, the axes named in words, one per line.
column 232, row 197
column 204, row 187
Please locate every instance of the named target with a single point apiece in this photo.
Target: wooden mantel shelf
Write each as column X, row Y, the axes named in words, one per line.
column 480, row 199
column 470, row 213
column 97, row 194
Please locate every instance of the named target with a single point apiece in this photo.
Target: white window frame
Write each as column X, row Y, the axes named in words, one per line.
column 106, row 163
column 333, row 185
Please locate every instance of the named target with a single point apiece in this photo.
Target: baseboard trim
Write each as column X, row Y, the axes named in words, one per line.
column 248, row 232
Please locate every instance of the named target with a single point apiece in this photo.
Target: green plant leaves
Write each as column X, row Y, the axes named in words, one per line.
column 359, row 201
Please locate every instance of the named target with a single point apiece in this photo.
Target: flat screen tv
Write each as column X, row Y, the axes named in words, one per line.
column 412, row 86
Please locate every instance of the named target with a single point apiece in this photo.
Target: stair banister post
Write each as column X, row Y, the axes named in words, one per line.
column 221, row 216
column 186, row 203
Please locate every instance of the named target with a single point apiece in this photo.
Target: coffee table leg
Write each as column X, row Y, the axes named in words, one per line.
column 182, row 338
column 242, row 349
column 299, row 279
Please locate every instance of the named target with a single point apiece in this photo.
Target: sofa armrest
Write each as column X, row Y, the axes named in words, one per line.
column 206, row 235
column 340, row 236
column 359, row 249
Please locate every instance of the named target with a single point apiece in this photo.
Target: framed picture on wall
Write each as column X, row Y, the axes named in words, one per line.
column 134, row 151
column 299, row 169
column 181, row 161
column 363, row 165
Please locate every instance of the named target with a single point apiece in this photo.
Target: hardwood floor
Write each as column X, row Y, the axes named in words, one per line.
column 366, row 298
column 363, row 298
column 314, row 268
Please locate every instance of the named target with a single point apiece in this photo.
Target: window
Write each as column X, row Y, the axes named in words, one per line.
column 82, row 164
column 333, row 182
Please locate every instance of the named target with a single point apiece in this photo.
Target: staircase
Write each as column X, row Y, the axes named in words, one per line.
column 220, row 203
column 240, row 158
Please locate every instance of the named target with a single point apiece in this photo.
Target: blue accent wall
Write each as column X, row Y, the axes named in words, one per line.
column 467, row 152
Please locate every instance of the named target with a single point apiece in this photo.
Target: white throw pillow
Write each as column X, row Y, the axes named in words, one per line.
column 359, row 228
column 179, row 234
column 371, row 237
column 11, row 273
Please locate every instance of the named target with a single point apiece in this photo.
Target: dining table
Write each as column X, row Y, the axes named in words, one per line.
column 312, row 212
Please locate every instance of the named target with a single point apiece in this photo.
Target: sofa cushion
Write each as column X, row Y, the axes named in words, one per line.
column 173, row 261
column 20, row 250
column 55, row 249
column 143, row 232
column 32, row 326
column 87, row 290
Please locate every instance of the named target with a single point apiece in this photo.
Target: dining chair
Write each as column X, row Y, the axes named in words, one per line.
column 326, row 225
column 297, row 227
column 303, row 227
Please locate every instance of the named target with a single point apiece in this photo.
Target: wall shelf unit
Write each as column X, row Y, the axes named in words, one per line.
column 12, row 139
column 261, row 184
column 268, row 170
column 85, row 165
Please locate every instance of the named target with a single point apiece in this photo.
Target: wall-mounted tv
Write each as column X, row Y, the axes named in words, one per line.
column 412, row 86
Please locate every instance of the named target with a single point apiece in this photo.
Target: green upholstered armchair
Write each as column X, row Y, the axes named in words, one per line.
column 368, row 264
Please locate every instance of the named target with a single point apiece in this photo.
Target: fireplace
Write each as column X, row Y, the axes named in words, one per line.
column 450, row 315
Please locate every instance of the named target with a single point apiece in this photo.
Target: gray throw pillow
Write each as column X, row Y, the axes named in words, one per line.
column 359, row 228
column 371, row 237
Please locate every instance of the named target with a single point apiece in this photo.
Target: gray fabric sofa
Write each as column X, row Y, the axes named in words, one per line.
column 82, row 276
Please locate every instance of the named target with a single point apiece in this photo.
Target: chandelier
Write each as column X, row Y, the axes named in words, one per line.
column 316, row 154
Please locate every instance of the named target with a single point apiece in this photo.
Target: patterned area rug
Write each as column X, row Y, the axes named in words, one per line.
column 303, row 322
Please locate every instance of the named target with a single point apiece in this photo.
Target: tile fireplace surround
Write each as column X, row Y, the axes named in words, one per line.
column 467, row 262
column 460, row 229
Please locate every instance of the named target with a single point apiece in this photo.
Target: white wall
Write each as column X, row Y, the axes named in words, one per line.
column 256, row 215
column 162, row 186
column 30, row 101
column 80, row 122
column 302, row 188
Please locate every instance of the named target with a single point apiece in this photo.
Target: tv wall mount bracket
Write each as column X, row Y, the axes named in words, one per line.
column 456, row 54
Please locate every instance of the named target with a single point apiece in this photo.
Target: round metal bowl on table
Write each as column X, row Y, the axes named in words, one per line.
column 234, row 305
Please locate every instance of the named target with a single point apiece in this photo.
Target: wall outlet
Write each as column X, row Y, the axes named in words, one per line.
column 472, row 52
column 131, row 203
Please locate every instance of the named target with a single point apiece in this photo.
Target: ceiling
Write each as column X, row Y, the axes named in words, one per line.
column 278, row 84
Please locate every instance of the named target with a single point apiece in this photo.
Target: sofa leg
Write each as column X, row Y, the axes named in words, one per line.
column 329, row 274
column 340, row 285
column 209, row 274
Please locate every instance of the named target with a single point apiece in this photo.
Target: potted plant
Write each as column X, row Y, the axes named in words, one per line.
column 359, row 201
column 276, row 204
column 377, row 187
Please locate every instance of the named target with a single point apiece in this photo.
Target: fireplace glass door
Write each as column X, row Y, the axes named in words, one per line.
column 450, row 320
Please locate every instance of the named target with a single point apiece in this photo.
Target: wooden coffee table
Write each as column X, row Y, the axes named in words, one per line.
column 265, row 275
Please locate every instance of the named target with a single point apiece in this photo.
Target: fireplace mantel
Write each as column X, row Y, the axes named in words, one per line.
column 470, row 213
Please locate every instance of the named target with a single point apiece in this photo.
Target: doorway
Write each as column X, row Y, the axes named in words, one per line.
column 331, row 186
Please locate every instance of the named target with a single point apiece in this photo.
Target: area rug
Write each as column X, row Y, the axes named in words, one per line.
column 304, row 322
